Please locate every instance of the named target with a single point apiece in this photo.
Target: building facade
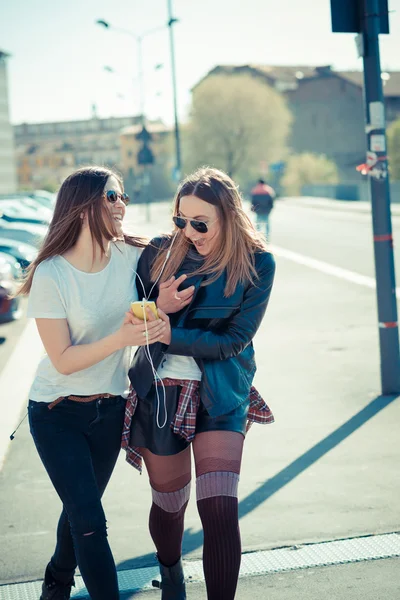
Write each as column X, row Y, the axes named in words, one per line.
column 327, row 107
column 48, row 152
column 8, row 176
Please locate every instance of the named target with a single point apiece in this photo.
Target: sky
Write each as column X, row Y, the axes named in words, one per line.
column 58, row 52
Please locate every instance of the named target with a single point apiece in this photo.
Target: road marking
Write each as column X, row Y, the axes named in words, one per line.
column 15, row 381
column 327, row 268
column 11, row 536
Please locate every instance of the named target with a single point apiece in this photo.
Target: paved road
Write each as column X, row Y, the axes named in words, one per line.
column 327, row 469
column 342, row 238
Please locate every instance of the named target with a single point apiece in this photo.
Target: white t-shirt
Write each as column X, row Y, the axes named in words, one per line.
column 179, row 367
column 94, row 305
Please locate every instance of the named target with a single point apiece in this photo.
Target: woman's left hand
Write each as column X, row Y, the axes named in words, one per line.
column 166, row 336
column 170, row 299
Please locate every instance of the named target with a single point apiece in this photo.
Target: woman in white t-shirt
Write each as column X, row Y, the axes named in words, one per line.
column 80, row 287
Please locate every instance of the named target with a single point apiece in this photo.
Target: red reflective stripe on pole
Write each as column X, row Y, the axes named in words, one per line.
column 383, row 238
column 388, row 325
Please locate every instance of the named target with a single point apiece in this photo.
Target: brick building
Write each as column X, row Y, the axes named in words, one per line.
column 49, row 152
column 328, row 109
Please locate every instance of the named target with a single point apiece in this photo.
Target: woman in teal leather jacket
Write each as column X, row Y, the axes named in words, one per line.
column 202, row 395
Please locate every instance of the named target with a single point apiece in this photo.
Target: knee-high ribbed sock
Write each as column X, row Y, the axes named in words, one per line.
column 222, row 546
column 166, row 523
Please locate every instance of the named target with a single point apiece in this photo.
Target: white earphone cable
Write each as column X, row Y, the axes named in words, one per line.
column 156, row 376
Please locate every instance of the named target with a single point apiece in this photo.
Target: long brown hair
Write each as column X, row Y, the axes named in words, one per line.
column 82, row 191
column 238, row 240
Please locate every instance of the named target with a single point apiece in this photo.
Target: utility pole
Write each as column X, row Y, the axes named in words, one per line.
column 171, row 21
column 369, row 18
column 145, row 159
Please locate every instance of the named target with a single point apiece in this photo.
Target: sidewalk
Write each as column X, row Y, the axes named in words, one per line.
column 327, row 470
column 364, row 568
column 378, row 580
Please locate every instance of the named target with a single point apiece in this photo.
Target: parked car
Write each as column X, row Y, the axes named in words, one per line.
column 45, row 198
column 29, row 233
column 38, row 199
column 10, row 270
column 23, row 253
column 34, row 204
column 40, row 211
column 14, row 211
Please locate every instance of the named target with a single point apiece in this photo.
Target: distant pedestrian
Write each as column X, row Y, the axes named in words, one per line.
column 205, row 368
column 262, row 203
column 80, row 287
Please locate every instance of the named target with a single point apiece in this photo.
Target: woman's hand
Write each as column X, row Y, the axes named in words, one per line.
column 169, row 299
column 135, row 332
column 166, row 338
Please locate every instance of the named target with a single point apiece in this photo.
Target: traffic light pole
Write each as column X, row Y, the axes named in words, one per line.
column 380, row 198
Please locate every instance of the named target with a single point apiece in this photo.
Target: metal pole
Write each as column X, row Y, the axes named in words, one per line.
column 171, row 21
column 147, row 187
column 141, row 79
column 380, row 200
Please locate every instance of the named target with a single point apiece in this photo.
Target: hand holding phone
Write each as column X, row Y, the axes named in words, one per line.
column 139, row 307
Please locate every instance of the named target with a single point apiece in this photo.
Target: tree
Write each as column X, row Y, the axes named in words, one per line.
column 393, row 135
column 308, row 168
column 236, row 122
column 50, row 185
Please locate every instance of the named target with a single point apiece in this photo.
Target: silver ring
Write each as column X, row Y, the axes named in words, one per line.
column 177, row 297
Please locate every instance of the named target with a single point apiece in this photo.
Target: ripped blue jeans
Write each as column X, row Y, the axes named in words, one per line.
column 79, row 446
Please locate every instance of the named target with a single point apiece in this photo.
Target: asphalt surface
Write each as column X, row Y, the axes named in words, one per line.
column 327, row 469
column 377, row 580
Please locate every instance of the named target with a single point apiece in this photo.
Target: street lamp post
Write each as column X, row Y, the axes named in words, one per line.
column 171, row 21
column 139, row 41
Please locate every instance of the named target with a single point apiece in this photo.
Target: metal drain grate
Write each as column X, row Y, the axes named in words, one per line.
column 254, row 563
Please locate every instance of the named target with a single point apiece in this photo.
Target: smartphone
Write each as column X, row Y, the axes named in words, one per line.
column 138, row 309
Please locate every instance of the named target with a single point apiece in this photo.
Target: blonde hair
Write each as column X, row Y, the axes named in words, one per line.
column 238, row 239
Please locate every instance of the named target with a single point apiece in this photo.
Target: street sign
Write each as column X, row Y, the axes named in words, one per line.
column 144, row 135
column 346, row 16
column 145, row 156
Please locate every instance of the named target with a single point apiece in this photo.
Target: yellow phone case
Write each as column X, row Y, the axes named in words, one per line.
column 138, row 307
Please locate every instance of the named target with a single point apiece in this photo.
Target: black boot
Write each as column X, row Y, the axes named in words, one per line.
column 55, row 590
column 172, row 582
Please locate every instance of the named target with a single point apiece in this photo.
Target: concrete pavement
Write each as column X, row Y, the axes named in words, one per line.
column 327, row 469
column 377, row 580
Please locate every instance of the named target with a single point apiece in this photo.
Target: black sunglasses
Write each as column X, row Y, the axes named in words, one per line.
column 199, row 226
column 113, row 196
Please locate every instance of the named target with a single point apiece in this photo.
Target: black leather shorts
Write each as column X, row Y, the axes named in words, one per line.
column 145, row 432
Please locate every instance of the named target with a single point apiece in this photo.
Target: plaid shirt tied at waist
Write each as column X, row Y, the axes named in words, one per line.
column 184, row 421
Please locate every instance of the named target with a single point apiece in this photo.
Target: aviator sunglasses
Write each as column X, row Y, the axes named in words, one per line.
column 200, row 226
column 113, row 196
